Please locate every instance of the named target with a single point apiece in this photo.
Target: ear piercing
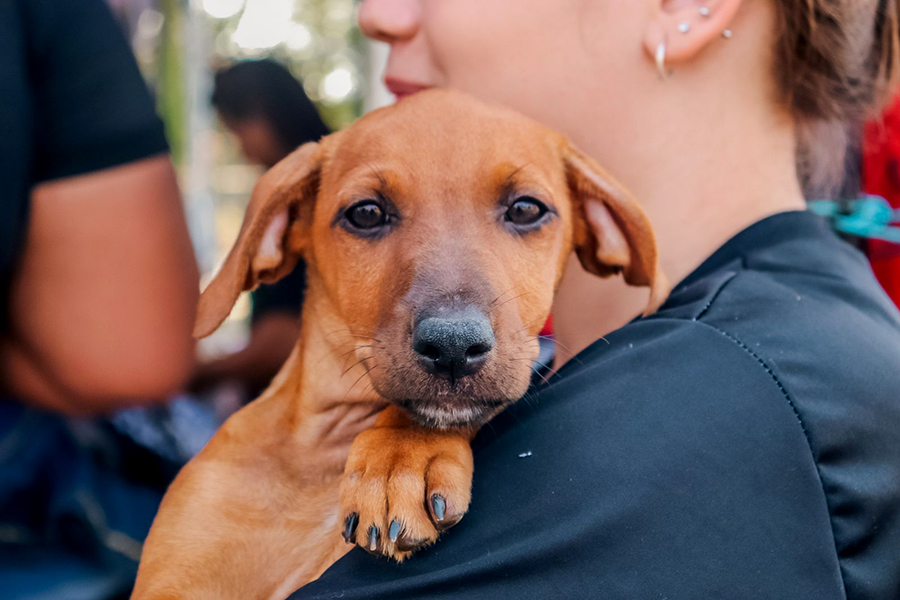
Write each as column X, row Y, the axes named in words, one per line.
column 684, row 27
column 661, row 61
column 704, row 12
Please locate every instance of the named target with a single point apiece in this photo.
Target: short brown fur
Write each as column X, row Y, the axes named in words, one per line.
column 231, row 525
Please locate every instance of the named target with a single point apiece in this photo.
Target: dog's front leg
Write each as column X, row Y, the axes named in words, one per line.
column 404, row 484
column 254, row 516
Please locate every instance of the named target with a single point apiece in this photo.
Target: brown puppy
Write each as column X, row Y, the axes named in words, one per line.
column 436, row 232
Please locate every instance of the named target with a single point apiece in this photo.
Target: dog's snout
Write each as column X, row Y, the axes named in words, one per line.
column 454, row 345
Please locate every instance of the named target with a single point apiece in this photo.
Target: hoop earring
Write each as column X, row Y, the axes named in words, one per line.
column 661, row 61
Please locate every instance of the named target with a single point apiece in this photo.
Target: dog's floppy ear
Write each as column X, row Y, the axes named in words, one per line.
column 271, row 237
column 612, row 233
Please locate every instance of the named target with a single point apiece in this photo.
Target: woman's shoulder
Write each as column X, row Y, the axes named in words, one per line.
column 772, row 386
column 680, row 456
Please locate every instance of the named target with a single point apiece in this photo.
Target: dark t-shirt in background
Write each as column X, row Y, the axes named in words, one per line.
column 72, row 101
column 744, row 442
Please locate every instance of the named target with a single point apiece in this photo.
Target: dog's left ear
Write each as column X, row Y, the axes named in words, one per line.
column 272, row 236
column 612, row 233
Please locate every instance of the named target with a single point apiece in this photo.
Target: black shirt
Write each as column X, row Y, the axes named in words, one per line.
column 72, row 101
column 284, row 296
column 744, row 442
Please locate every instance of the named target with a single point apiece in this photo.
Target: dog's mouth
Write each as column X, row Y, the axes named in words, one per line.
column 468, row 402
column 438, row 414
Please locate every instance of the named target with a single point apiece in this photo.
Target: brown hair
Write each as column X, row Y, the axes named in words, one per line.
column 837, row 62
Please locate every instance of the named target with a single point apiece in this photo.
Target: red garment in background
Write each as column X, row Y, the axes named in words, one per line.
column 548, row 327
column 881, row 177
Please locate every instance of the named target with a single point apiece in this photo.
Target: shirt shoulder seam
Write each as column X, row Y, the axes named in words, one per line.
column 789, row 399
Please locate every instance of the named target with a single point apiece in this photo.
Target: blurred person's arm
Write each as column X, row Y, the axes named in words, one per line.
column 103, row 302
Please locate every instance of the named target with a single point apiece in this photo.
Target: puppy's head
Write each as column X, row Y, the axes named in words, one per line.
column 438, row 230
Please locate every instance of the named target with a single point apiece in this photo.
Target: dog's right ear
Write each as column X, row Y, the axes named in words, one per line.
column 612, row 233
column 272, row 236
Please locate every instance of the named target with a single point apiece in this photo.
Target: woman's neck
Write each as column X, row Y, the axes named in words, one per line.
column 702, row 176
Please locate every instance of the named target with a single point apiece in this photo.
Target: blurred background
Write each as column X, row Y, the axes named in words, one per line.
column 180, row 44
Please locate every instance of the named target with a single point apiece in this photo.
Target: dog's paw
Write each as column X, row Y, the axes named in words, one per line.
column 403, row 486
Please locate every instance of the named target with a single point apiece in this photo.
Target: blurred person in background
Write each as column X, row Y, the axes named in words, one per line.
column 98, row 285
column 267, row 110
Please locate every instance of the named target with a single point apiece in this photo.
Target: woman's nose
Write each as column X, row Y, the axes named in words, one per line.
column 389, row 20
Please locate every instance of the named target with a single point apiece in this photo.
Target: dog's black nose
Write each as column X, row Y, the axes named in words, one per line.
column 453, row 345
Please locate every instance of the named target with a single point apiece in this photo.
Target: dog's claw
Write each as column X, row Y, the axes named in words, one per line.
column 373, row 538
column 394, row 531
column 439, row 506
column 350, row 524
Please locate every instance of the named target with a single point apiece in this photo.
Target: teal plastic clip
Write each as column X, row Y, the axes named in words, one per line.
column 868, row 217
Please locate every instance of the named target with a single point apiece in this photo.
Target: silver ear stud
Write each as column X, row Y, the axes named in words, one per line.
column 726, row 34
column 704, row 11
column 684, row 27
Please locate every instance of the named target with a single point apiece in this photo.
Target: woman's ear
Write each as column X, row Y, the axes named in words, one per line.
column 686, row 27
column 272, row 236
column 612, row 234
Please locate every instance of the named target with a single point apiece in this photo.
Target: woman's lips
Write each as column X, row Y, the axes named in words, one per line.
column 401, row 89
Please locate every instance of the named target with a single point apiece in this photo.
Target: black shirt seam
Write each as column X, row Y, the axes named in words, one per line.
column 790, row 401
column 715, row 296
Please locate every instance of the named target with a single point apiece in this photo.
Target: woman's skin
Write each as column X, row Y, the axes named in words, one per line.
column 707, row 151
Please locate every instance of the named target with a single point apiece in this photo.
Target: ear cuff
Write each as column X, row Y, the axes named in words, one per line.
column 661, row 61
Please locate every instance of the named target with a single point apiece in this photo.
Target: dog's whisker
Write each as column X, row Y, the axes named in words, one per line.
column 321, row 357
column 354, row 365
column 557, row 342
column 357, row 381
column 539, row 320
column 345, row 357
column 354, row 333
column 513, row 298
column 563, row 346
column 494, row 301
column 545, row 379
column 352, row 350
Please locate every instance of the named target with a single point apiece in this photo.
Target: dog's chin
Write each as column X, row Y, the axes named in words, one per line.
column 445, row 415
column 468, row 403
column 437, row 403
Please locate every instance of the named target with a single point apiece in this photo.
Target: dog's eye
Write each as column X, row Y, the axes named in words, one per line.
column 526, row 211
column 367, row 214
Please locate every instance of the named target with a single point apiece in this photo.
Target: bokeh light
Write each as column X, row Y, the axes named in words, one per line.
column 264, row 24
column 337, row 85
column 222, row 9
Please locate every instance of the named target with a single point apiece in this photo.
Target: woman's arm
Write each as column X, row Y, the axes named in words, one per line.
column 103, row 302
